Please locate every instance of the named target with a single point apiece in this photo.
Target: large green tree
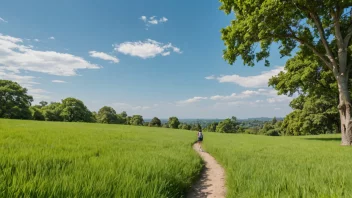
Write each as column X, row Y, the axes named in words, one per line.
column 74, row 110
column 155, row 122
column 137, row 120
column 14, row 101
column 107, row 115
column 228, row 126
column 322, row 28
column 173, row 122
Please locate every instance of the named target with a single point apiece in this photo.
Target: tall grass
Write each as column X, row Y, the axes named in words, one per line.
column 47, row 159
column 261, row 166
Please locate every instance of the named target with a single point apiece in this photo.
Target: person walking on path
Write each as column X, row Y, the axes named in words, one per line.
column 200, row 139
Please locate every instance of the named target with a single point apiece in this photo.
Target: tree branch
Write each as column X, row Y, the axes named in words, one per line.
column 315, row 51
column 320, row 28
column 336, row 17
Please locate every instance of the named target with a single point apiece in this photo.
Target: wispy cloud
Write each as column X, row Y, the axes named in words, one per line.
column 52, row 38
column 58, row 81
column 192, row 100
column 257, row 81
column 153, row 20
column 244, row 94
column 146, row 49
column 210, row 77
column 3, row 20
column 36, row 40
column 104, row 56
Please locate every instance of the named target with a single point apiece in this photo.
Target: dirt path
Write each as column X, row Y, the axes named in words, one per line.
column 212, row 180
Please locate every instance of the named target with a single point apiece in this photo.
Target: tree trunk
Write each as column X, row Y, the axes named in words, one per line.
column 345, row 111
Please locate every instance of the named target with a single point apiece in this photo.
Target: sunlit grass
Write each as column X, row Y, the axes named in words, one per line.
column 47, row 159
column 261, row 166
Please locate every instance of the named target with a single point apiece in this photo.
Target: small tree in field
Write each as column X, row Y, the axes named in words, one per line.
column 173, row 122
column 155, row 122
column 322, row 28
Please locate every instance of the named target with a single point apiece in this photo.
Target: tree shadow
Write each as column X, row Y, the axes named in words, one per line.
column 324, row 139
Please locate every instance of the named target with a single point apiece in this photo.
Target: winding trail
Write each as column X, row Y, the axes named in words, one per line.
column 212, row 180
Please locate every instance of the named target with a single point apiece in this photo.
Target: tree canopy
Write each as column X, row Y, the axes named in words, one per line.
column 14, row 101
column 320, row 28
column 107, row 115
column 74, row 110
column 155, row 122
column 173, row 122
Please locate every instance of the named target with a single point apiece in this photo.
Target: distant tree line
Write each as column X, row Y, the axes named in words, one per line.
column 15, row 103
column 307, row 118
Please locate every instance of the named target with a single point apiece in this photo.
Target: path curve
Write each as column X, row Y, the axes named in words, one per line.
column 212, row 180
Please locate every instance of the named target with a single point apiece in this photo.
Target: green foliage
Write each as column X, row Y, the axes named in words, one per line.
column 155, row 122
column 107, row 115
column 52, row 112
column 173, row 122
column 36, row 113
column 137, row 120
column 322, row 30
column 43, row 103
column 184, row 126
column 262, row 166
column 228, row 126
column 14, row 101
column 211, row 127
column 73, row 110
column 146, row 124
column 196, row 127
column 315, row 109
column 48, row 159
column 128, row 120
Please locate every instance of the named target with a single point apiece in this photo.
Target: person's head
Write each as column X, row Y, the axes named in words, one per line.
column 200, row 130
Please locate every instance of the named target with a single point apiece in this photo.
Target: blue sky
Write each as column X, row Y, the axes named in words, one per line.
column 154, row 58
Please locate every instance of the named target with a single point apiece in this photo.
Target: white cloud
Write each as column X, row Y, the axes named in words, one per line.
column 260, row 80
column 192, row 100
column 14, row 54
column 58, row 81
column 52, row 38
column 146, row 49
column 104, row 56
column 210, row 77
column 233, row 96
column 279, row 99
column 143, row 18
column 3, row 20
column 36, row 40
column 165, row 54
column 163, row 19
column 153, row 20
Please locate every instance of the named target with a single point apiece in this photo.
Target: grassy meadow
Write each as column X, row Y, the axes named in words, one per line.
column 55, row 159
column 263, row 166
column 48, row 159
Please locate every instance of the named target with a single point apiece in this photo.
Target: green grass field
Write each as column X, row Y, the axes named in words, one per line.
column 47, row 159
column 262, row 166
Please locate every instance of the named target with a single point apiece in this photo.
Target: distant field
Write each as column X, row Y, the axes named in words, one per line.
column 261, row 166
column 44, row 159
